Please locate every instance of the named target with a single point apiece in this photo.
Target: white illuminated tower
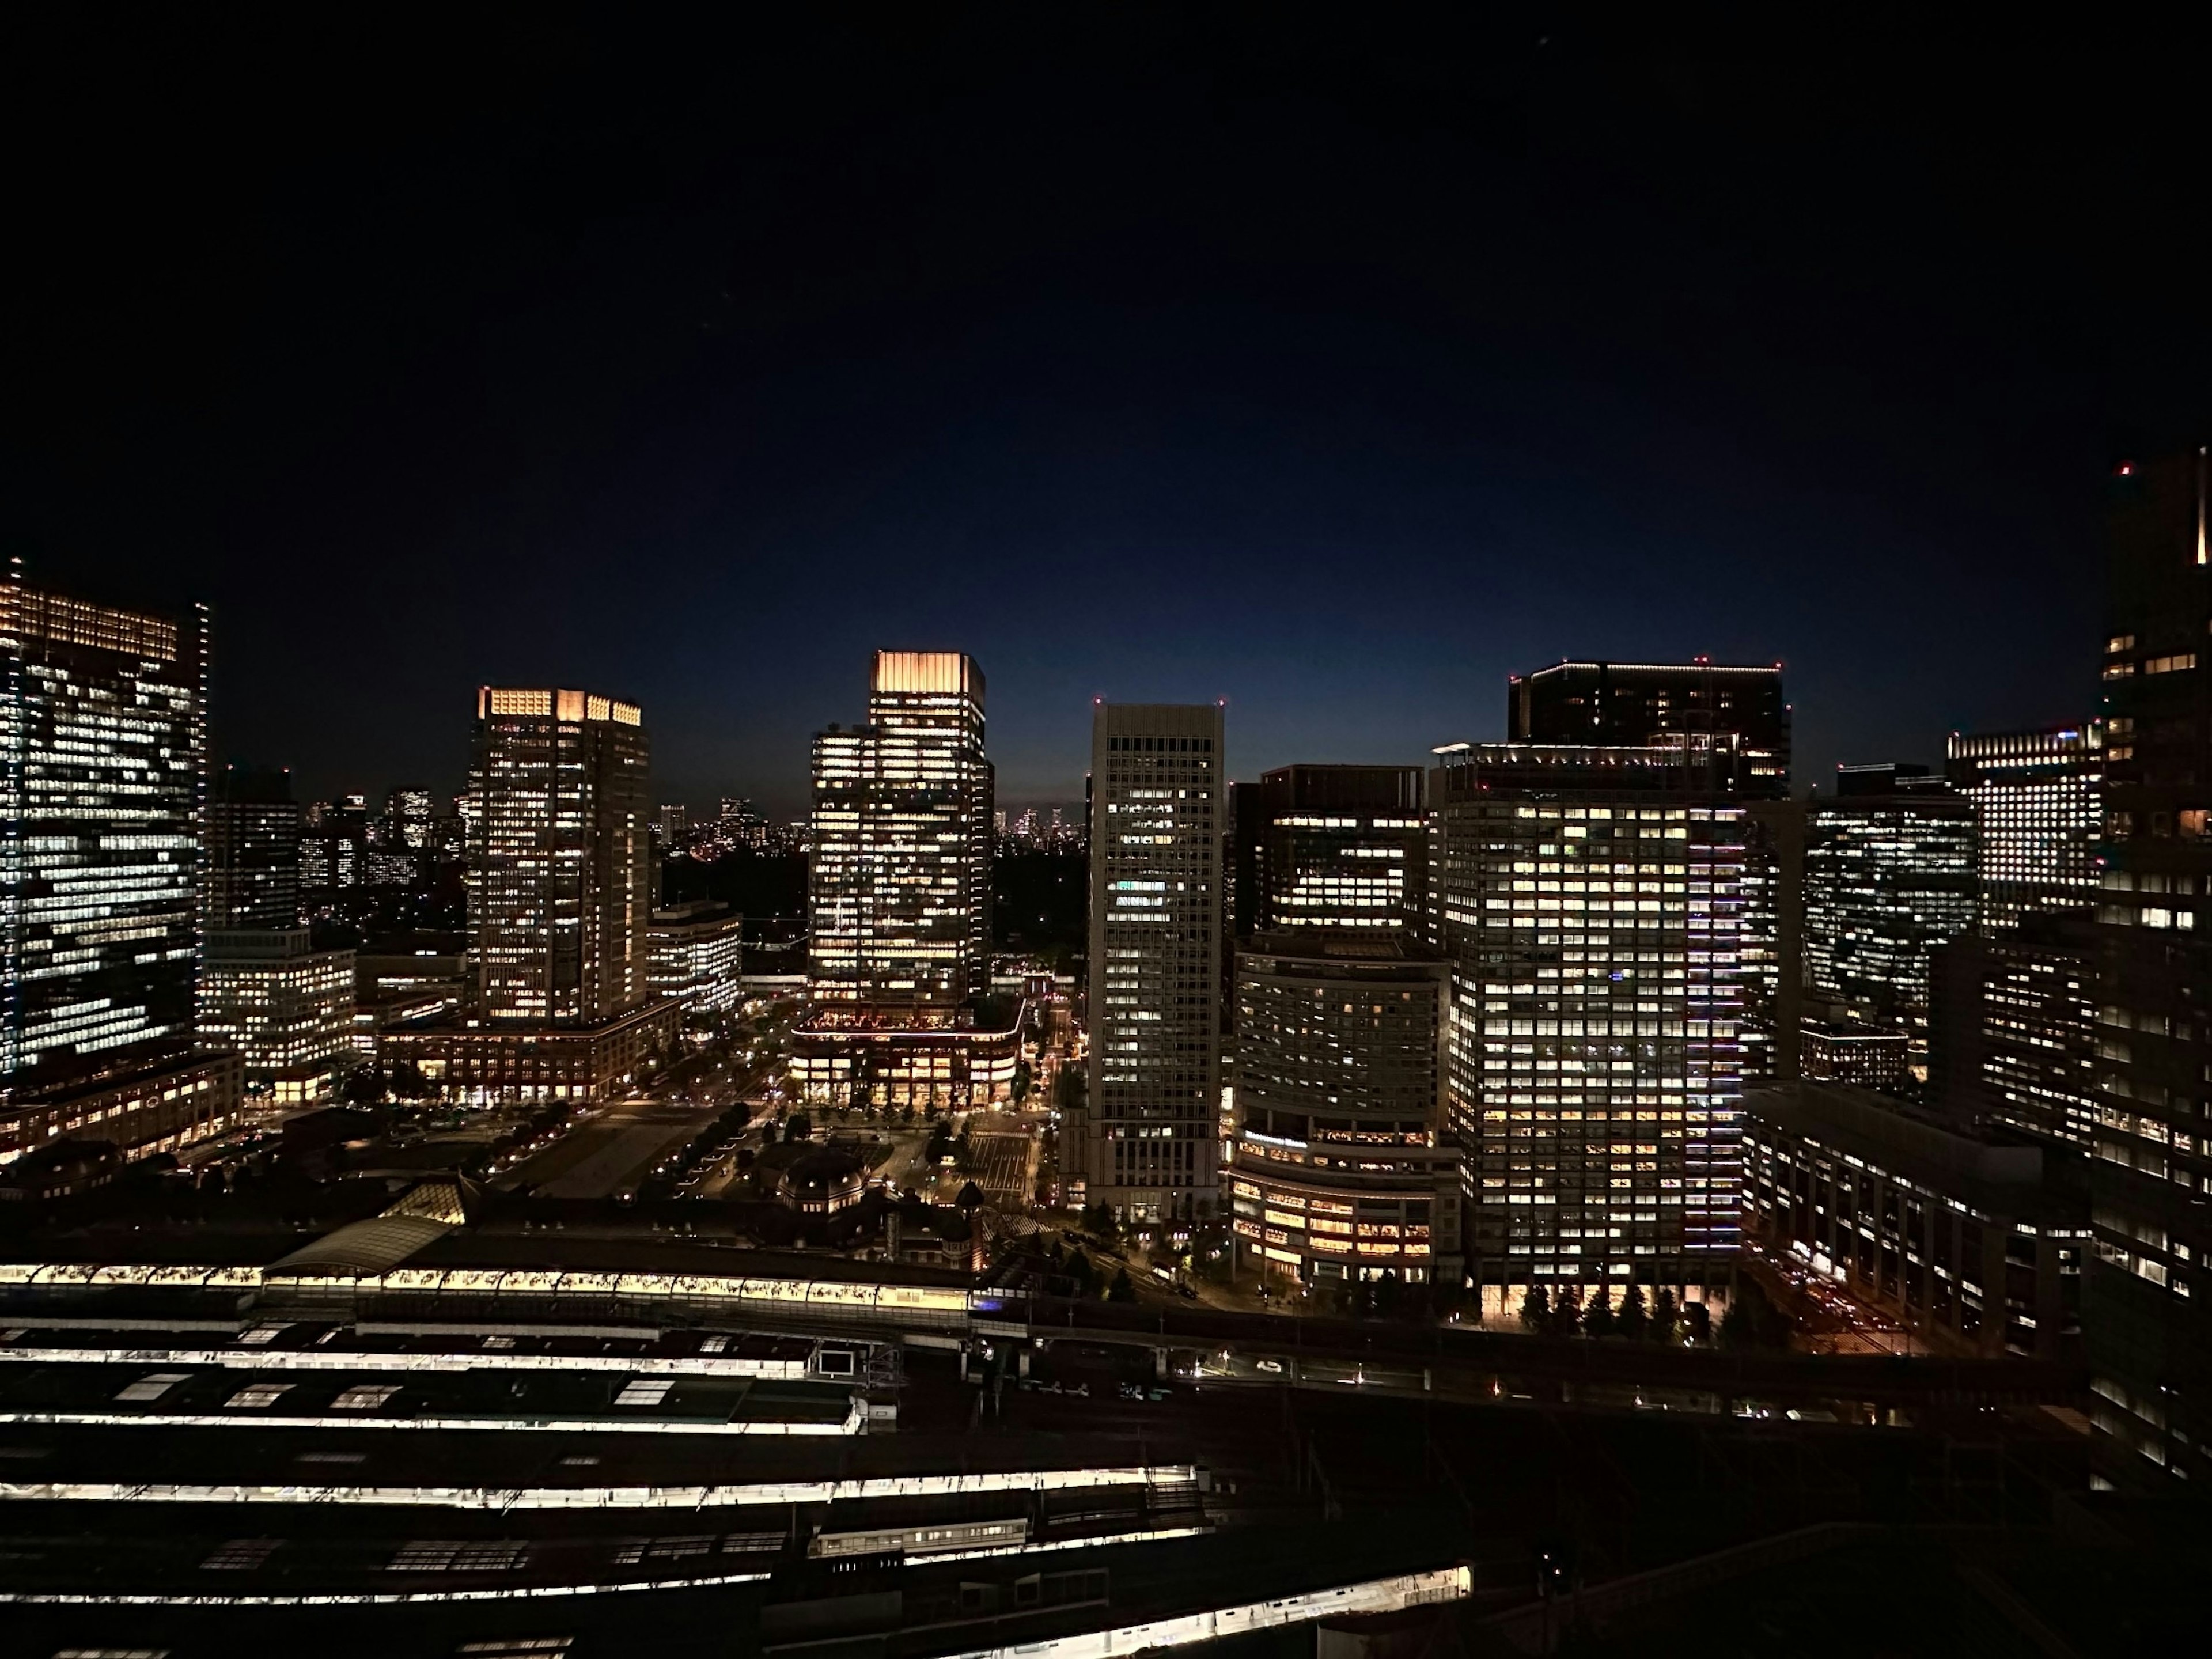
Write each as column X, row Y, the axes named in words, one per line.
column 1147, row 1140
column 559, row 868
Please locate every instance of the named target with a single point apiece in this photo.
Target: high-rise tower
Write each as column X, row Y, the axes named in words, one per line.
column 2150, row 1296
column 102, row 757
column 559, row 877
column 1590, row 899
column 253, row 850
column 1146, row 1142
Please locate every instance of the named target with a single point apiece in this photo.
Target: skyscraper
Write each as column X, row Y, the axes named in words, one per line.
column 899, row 896
column 102, row 757
column 1589, row 899
column 899, row 890
column 253, row 850
column 1332, row 847
column 1891, row 872
column 1624, row 704
column 558, row 877
column 2039, row 803
column 1146, row 1142
column 2150, row 1296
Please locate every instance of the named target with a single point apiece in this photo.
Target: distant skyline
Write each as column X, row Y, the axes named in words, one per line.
column 1339, row 374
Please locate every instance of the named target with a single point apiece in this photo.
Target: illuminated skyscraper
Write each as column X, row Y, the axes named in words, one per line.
column 899, row 892
column 2039, row 803
column 253, row 850
column 1591, row 900
column 1891, row 872
column 559, row 872
column 2150, row 1293
column 102, row 757
column 1148, row 1142
column 899, row 896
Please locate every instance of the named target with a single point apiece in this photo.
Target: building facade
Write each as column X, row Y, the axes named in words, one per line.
column 1891, row 872
column 899, row 886
column 698, row 956
column 163, row 1105
column 1974, row 1245
column 1341, row 1168
column 253, row 850
column 1147, row 1140
column 480, row 1062
column 1619, row 704
column 286, row 1007
column 559, row 868
column 2039, row 802
column 1333, row 847
column 2015, row 1035
column 1590, row 901
column 2150, row 1296
column 102, row 768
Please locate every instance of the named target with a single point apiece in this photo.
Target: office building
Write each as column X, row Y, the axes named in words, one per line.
column 1341, row 1167
column 162, row 1104
column 477, row 1062
column 1973, row 1242
column 1846, row 1051
column 1617, row 704
column 899, row 898
column 1148, row 1142
column 2040, row 809
column 671, row 827
column 286, row 1007
column 899, row 890
column 253, row 850
column 559, row 872
column 2150, row 1296
column 1891, row 872
column 1590, row 901
column 697, row 956
column 1328, row 846
column 409, row 815
column 2012, row 1038
column 1773, row 938
column 100, row 835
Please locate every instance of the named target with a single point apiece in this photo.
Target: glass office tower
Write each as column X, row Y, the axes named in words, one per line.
column 102, row 763
column 2039, row 801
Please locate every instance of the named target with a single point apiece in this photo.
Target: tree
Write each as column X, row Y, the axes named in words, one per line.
column 1121, row 1290
column 1566, row 1310
column 1535, row 1309
column 797, row 1127
column 1665, row 1317
column 1023, row 1079
column 1098, row 1220
column 963, row 1151
column 1078, row 1269
column 1697, row 1322
column 1597, row 1316
column 1630, row 1320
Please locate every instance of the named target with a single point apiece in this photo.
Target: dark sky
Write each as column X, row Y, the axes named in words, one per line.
column 1160, row 355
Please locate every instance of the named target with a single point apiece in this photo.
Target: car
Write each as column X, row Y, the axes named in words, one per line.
column 1273, row 1367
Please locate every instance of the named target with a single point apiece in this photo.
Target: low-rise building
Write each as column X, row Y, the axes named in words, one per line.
column 161, row 1107
column 1973, row 1241
column 954, row 1056
column 466, row 1060
column 285, row 1007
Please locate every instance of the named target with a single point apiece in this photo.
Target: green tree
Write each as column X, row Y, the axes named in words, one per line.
column 1535, row 1309
column 1597, row 1316
column 1078, row 1269
column 1665, row 1317
column 1121, row 1290
column 1748, row 1313
column 797, row 1127
column 1566, row 1310
column 1632, row 1319
column 1023, row 1079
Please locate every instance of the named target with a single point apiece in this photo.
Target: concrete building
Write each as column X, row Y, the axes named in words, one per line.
column 1330, row 847
column 253, row 850
column 163, row 1105
column 1977, row 1244
column 1341, row 1165
column 1590, row 901
column 286, row 1007
column 480, row 1062
column 1147, row 1140
column 1625, row 705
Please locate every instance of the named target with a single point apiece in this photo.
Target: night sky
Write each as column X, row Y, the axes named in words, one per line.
column 1164, row 356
